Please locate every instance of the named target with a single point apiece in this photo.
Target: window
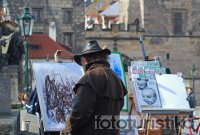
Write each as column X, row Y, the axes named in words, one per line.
column 36, row 12
column 67, row 16
column 68, row 39
column 179, row 21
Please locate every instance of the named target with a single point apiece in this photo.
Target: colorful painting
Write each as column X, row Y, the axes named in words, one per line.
column 55, row 82
column 116, row 64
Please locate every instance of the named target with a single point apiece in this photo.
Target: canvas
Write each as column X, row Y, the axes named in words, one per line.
column 55, row 82
column 172, row 92
column 116, row 65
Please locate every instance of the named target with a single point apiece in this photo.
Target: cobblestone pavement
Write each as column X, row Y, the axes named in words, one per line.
column 34, row 125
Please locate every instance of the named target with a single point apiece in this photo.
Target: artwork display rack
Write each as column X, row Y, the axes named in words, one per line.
column 163, row 112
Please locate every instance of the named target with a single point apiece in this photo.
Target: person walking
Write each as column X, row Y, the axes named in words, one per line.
column 100, row 92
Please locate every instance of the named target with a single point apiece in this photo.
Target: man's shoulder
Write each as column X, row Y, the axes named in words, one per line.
column 96, row 70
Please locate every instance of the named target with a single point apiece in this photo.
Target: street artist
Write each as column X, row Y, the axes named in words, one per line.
column 100, row 92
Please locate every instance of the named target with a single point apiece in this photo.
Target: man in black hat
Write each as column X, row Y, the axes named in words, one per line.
column 99, row 93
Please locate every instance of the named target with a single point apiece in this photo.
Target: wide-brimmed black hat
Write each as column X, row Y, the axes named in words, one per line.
column 91, row 47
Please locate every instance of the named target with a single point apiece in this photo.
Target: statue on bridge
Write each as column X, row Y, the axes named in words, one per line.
column 11, row 44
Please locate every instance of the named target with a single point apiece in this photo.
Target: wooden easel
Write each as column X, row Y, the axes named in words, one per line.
column 180, row 126
column 180, row 114
column 148, row 124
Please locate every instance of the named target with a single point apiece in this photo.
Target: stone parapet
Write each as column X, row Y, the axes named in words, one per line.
column 5, row 93
column 12, row 72
column 11, row 69
column 10, row 124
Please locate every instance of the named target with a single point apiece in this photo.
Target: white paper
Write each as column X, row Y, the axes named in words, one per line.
column 172, row 92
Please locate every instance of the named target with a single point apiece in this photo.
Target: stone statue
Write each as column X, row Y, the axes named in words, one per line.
column 16, row 49
column 137, row 24
column 11, row 44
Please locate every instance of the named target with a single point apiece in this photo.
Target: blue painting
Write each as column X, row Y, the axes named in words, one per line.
column 116, row 65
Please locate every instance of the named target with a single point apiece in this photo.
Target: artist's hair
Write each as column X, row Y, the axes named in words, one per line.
column 96, row 56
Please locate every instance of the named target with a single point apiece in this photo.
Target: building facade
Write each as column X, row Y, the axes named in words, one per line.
column 172, row 31
column 62, row 20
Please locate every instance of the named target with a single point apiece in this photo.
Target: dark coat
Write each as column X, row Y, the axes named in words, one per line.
column 191, row 100
column 99, row 92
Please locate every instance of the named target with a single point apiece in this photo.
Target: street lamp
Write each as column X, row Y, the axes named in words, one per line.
column 115, row 46
column 193, row 74
column 140, row 33
column 26, row 25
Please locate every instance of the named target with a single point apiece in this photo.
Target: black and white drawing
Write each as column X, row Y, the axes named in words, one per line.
column 142, row 83
column 147, row 92
column 59, row 97
column 55, row 83
column 149, row 96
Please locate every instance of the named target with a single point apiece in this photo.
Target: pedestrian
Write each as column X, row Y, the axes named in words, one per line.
column 98, row 93
column 191, row 100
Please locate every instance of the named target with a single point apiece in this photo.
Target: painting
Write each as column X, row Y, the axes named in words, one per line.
column 155, row 91
column 55, row 82
column 117, row 66
column 147, row 93
column 142, row 74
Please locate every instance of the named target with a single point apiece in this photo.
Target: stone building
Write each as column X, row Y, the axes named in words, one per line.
column 98, row 6
column 172, row 31
column 63, row 20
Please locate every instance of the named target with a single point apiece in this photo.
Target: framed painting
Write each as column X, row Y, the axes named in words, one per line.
column 54, row 83
column 147, row 94
column 117, row 66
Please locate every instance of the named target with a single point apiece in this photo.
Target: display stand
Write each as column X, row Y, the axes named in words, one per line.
column 172, row 97
column 161, row 111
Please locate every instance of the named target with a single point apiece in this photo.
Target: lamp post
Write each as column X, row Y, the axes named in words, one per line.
column 26, row 25
column 193, row 74
column 140, row 33
column 115, row 46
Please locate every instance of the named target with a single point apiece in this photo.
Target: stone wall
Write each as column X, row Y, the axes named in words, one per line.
column 156, row 16
column 52, row 11
column 158, row 20
column 12, row 71
column 5, row 93
column 10, row 124
column 183, row 51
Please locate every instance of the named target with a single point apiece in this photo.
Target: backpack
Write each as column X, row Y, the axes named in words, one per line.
column 33, row 103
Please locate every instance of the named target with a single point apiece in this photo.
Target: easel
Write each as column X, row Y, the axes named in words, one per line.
column 182, row 114
column 148, row 124
column 145, row 59
column 180, row 126
column 166, row 112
